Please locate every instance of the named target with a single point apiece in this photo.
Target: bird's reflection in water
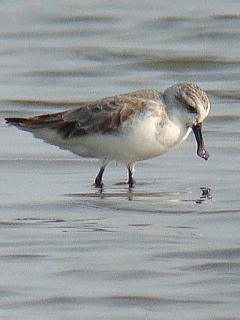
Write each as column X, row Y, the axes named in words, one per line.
column 131, row 194
column 128, row 194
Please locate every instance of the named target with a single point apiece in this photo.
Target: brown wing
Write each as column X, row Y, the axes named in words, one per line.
column 104, row 116
column 144, row 94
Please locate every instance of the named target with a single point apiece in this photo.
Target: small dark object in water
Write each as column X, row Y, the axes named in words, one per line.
column 206, row 195
column 205, row 191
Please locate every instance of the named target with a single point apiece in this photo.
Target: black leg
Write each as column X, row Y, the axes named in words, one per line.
column 131, row 180
column 98, row 180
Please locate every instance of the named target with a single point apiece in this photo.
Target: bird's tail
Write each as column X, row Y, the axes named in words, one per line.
column 37, row 122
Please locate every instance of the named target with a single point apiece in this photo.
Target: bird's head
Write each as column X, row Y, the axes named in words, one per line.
column 190, row 105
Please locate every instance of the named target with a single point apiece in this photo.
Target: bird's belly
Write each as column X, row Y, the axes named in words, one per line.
column 138, row 140
column 135, row 143
column 120, row 148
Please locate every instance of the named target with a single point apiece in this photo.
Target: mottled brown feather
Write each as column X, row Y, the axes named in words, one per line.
column 105, row 115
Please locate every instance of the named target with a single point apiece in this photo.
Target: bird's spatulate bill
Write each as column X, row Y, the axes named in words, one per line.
column 201, row 151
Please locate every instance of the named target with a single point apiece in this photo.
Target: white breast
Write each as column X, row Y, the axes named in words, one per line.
column 140, row 139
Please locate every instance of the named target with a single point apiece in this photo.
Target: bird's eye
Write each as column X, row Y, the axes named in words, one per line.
column 187, row 102
column 191, row 109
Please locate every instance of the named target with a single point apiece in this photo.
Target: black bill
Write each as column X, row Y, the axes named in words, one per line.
column 201, row 151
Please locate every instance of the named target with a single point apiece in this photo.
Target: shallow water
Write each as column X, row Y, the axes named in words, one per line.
column 168, row 249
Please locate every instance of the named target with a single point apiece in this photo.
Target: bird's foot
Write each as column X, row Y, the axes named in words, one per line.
column 98, row 185
column 131, row 183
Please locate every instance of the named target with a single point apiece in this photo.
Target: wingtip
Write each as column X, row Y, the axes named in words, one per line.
column 13, row 120
column 16, row 121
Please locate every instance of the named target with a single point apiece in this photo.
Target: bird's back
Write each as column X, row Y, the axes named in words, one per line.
column 103, row 116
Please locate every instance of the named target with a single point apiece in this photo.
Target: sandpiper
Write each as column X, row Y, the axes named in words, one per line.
column 127, row 128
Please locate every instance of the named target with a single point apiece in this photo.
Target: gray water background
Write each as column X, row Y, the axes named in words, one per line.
column 163, row 251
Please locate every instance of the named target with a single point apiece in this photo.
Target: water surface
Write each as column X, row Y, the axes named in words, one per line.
column 167, row 249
